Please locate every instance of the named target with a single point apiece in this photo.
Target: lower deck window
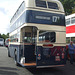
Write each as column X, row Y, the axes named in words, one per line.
column 68, row 40
column 30, row 34
column 45, row 36
column 27, row 37
column 73, row 39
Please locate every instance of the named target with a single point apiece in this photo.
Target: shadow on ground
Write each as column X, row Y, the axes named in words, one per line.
column 46, row 71
column 7, row 71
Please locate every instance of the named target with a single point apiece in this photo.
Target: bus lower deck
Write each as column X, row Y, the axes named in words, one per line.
column 43, row 53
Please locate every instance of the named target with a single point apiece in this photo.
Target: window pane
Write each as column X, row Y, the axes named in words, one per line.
column 52, row 5
column 67, row 21
column 73, row 20
column 73, row 39
column 1, row 39
column 41, row 3
column 45, row 36
column 14, row 38
column 68, row 40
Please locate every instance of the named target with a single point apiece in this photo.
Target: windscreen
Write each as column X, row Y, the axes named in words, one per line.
column 1, row 39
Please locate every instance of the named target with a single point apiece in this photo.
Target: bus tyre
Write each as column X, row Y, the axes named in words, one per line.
column 16, row 59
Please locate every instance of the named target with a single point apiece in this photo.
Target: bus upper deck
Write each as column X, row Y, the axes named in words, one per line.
column 33, row 12
column 48, row 5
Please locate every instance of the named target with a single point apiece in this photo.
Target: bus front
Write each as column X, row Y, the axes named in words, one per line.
column 49, row 18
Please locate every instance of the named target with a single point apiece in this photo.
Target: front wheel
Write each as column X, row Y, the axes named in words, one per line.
column 17, row 64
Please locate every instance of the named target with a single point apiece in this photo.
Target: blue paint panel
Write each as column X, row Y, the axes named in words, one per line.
column 38, row 17
column 44, row 18
column 12, row 51
column 29, row 53
column 48, row 56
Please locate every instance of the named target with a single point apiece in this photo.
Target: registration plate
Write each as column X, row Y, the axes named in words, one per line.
column 57, row 58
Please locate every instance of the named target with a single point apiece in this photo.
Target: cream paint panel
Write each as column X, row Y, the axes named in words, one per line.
column 46, row 27
column 60, row 37
column 31, row 3
column 70, row 35
column 54, row 44
column 15, row 43
column 12, row 33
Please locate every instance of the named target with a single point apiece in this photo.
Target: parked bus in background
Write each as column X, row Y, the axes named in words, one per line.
column 38, row 34
column 1, row 42
column 70, row 30
column 7, row 42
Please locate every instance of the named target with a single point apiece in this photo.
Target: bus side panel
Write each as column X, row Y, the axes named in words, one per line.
column 12, row 49
column 50, row 56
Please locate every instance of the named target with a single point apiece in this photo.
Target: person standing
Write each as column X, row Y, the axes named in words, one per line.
column 71, row 51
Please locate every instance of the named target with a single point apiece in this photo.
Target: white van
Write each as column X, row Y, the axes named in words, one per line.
column 1, row 42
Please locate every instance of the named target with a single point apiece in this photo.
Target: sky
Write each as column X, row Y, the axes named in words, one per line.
column 7, row 10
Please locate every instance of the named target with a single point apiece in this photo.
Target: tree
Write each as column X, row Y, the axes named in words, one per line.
column 0, row 36
column 73, row 10
column 4, row 36
column 7, row 35
column 68, row 6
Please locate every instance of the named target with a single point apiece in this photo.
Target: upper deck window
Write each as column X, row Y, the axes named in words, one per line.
column 73, row 20
column 41, row 4
column 19, row 11
column 67, row 21
column 52, row 5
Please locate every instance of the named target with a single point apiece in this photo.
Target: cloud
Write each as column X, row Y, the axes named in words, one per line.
column 4, row 22
column 3, row 10
column 7, row 10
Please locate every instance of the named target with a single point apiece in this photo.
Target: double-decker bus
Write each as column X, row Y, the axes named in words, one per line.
column 70, row 30
column 38, row 34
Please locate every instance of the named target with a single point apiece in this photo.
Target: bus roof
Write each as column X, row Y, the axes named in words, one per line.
column 69, row 16
column 29, row 3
